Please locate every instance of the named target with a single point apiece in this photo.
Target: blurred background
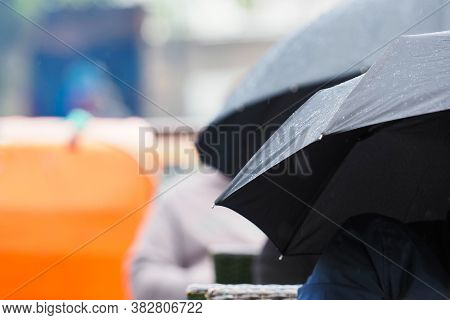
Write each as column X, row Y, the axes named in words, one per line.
column 183, row 55
column 78, row 78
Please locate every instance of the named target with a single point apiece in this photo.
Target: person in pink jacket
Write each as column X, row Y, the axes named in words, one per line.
column 173, row 248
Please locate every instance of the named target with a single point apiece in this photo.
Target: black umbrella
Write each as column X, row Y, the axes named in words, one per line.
column 333, row 48
column 377, row 143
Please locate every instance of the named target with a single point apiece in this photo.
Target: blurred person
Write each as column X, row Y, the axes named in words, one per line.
column 173, row 247
column 98, row 70
column 376, row 257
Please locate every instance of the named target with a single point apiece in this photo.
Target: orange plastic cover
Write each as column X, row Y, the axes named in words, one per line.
column 67, row 217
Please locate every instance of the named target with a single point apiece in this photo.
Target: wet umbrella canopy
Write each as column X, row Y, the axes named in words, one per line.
column 377, row 143
column 333, row 48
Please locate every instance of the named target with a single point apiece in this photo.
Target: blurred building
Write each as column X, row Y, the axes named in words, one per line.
column 182, row 56
column 201, row 48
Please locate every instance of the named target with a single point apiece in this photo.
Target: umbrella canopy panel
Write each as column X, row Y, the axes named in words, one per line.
column 380, row 117
column 342, row 41
column 412, row 78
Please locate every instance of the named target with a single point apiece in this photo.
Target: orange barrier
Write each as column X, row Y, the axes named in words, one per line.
column 67, row 217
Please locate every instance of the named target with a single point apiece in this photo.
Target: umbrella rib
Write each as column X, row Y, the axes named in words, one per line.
column 356, row 237
column 355, row 64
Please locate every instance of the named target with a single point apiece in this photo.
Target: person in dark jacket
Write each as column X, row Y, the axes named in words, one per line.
column 376, row 257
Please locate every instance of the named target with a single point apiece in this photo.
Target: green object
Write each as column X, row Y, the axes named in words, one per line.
column 233, row 268
column 79, row 118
